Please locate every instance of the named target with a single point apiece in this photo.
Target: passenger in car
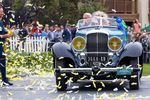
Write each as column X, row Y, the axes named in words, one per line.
column 86, row 19
column 99, row 15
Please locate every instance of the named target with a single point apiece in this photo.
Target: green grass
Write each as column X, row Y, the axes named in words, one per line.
column 146, row 69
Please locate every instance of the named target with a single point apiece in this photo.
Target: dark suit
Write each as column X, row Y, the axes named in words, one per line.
column 67, row 35
column 2, row 57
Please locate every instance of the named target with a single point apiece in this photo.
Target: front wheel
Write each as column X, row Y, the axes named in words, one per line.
column 60, row 79
column 60, row 82
column 134, row 81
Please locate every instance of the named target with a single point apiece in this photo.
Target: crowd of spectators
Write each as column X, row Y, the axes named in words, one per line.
column 54, row 33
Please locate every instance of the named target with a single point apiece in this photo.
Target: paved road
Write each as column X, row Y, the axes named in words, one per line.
column 43, row 88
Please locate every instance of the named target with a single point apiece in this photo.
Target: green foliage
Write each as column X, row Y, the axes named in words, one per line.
column 18, row 4
column 60, row 11
column 90, row 6
column 29, row 63
column 146, row 69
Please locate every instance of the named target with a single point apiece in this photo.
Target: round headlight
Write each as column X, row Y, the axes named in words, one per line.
column 78, row 43
column 114, row 43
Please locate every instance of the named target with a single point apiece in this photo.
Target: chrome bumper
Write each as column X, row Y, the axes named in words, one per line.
column 66, row 70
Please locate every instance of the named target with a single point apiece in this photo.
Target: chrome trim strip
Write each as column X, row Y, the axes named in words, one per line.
column 88, row 69
column 97, row 52
column 76, row 70
column 97, row 31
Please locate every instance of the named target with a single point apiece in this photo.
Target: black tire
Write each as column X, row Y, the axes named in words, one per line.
column 141, row 64
column 60, row 80
column 134, row 82
column 141, row 72
column 135, row 62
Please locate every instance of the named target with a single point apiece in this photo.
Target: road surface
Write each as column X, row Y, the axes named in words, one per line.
column 43, row 88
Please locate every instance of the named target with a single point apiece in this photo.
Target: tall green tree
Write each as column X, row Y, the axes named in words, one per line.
column 58, row 11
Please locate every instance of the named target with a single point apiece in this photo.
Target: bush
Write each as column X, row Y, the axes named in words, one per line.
column 29, row 63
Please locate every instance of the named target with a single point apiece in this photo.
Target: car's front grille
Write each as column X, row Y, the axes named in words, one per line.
column 97, row 42
column 97, row 46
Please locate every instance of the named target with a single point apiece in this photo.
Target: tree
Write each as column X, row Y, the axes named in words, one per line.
column 90, row 6
column 54, row 11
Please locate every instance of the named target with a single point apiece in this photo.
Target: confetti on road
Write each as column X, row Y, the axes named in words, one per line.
column 133, row 83
column 63, row 74
column 76, row 91
column 80, row 97
column 98, row 72
column 71, row 65
column 94, row 84
column 90, row 95
column 59, row 67
column 133, row 76
column 115, row 80
column 104, row 96
column 69, row 81
column 9, row 93
column 139, row 65
column 52, row 91
column 75, row 73
column 87, row 86
column 75, row 87
column 122, row 82
column 125, row 89
column 115, row 89
column 61, row 58
column 73, row 98
column 82, row 78
column 99, row 89
column 103, row 85
column 69, row 92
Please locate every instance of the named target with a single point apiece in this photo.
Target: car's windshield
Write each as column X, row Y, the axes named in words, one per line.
column 90, row 22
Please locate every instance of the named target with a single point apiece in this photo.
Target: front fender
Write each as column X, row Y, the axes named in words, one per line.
column 132, row 49
column 62, row 49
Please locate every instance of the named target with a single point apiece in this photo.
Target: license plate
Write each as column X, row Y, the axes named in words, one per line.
column 96, row 59
column 124, row 72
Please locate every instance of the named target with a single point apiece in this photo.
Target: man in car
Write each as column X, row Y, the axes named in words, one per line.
column 86, row 20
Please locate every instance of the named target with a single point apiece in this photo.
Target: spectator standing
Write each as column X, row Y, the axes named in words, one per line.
column 15, row 30
column 136, row 29
column 50, row 36
column 73, row 30
column 3, row 35
column 45, row 31
column 23, row 33
column 34, row 28
column 144, row 34
column 67, row 34
column 57, row 34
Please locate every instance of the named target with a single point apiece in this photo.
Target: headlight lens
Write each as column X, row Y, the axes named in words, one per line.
column 114, row 43
column 79, row 43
